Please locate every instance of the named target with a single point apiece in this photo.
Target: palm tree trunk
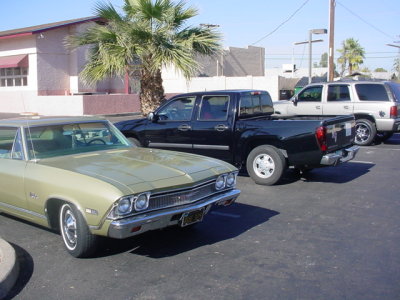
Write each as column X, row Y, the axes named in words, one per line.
column 151, row 90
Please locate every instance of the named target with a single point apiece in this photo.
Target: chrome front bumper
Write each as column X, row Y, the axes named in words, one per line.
column 138, row 224
column 332, row 159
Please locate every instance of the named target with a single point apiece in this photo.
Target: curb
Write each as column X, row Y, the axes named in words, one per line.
column 9, row 268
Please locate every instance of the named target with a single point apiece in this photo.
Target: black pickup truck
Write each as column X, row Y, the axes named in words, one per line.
column 237, row 126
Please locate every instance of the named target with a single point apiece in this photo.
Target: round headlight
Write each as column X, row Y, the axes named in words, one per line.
column 124, row 206
column 231, row 179
column 220, row 182
column 142, row 202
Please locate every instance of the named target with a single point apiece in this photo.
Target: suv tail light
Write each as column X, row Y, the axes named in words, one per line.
column 393, row 112
column 320, row 134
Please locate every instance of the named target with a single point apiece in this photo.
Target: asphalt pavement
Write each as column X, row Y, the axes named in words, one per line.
column 334, row 234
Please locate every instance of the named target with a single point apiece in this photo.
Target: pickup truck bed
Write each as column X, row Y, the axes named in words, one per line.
column 237, row 126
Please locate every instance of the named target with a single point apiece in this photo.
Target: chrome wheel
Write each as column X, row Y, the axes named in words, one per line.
column 362, row 133
column 365, row 132
column 68, row 227
column 264, row 165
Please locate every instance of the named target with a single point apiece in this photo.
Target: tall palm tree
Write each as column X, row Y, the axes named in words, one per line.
column 352, row 55
column 147, row 36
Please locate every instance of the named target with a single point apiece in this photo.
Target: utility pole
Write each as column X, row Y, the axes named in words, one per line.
column 331, row 66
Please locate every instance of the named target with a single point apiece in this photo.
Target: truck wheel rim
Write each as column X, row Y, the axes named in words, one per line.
column 362, row 133
column 69, row 228
column 264, row 165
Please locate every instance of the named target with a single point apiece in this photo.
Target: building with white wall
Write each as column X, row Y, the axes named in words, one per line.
column 39, row 74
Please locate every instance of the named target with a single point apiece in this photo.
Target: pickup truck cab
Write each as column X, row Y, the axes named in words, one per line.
column 375, row 105
column 236, row 126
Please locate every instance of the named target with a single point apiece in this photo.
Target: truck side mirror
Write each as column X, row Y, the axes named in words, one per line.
column 295, row 99
column 152, row 117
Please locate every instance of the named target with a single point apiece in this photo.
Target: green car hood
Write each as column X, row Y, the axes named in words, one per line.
column 141, row 168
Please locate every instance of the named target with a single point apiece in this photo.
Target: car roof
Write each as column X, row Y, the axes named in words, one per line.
column 29, row 121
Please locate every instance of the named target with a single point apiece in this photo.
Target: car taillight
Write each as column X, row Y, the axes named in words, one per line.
column 320, row 134
column 393, row 112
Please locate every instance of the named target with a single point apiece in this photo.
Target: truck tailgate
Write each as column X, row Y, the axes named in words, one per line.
column 340, row 132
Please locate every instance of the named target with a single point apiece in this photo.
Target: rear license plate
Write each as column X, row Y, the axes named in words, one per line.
column 192, row 217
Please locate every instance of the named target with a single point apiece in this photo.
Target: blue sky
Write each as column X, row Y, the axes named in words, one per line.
column 373, row 23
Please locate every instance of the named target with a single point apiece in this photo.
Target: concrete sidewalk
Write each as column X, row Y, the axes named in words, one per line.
column 9, row 268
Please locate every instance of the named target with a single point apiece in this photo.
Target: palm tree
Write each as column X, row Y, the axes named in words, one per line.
column 352, row 55
column 147, row 36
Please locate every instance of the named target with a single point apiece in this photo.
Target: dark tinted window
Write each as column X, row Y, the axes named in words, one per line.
column 395, row 88
column 255, row 103
column 338, row 93
column 312, row 94
column 371, row 92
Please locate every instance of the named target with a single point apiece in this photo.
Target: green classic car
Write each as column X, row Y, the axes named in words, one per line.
column 83, row 177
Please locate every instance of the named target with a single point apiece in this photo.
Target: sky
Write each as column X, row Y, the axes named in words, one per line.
column 274, row 25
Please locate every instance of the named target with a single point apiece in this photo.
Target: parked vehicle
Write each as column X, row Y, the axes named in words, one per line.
column 236, row 126
column 83, row 177
column 375, row 105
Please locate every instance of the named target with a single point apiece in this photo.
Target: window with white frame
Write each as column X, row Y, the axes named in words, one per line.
column 13, row 77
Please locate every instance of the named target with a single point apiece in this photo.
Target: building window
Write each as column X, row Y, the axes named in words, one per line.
column 13, row 77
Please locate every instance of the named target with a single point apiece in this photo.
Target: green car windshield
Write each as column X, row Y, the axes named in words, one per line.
column 72, row 138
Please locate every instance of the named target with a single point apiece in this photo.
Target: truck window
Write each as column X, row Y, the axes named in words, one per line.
column 310, row 94
column 338, row 93
column 255, row 103
column 214, row 108
column 371, row 92
column 177, row 110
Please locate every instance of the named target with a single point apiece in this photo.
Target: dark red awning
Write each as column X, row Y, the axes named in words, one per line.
column 14, row 61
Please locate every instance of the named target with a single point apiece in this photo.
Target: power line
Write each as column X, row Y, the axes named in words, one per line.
column 366, row 22
column 280, row 25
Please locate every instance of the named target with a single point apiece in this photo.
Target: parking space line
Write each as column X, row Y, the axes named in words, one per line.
column 362, row 162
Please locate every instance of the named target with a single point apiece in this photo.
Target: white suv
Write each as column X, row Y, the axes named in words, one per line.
column 375, row 105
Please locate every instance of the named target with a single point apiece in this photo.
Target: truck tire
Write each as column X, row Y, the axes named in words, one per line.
column 365, row 132
column 265, row 165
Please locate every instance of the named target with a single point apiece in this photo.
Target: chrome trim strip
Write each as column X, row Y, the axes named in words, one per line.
column 211, row 147
column 170, row 145
column 159, row 219
column 23, row 210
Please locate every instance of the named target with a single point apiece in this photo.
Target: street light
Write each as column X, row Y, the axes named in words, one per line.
column 311, row 32
column 300, row 43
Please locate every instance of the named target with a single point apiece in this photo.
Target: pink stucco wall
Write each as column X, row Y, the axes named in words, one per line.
column 110, row 104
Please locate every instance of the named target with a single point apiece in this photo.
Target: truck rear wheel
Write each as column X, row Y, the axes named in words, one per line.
column 365, row 132
column 266, row 165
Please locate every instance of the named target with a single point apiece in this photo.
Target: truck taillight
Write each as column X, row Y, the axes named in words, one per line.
column 320, row 134
column 393, row 112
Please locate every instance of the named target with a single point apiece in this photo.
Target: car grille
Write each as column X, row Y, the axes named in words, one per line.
column 181, row 197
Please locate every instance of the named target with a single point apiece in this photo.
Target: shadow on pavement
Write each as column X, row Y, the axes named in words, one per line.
column 218, row 225
column 26, row 267
column 340, row 174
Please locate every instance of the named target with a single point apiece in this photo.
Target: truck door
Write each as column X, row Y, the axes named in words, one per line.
column 308, row 102
column 338, row 100
column 212, row 127
column 171, row 127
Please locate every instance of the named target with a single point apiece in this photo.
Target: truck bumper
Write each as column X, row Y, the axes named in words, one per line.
column 340, row 156
column 135, row 225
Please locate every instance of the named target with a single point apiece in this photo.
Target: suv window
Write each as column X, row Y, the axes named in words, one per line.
column 371, row 92
column 177, row 110
column 214, row 108
column 312, row 94
column 338, row 93
column 395, row 88
column 10, row 143
column 255, row 103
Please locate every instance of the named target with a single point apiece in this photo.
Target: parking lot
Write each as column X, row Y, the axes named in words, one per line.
column 332, row 235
